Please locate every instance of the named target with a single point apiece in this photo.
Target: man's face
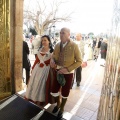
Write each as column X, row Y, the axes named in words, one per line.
column 78, row 37
column 64, row 35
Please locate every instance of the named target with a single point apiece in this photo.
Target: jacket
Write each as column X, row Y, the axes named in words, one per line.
column 26, row 61
column 72, row 55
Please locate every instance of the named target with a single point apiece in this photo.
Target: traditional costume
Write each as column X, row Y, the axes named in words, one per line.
column 65, row 56
column 39, row 85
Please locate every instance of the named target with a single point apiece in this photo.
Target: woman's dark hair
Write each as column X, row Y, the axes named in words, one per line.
column 50, row 43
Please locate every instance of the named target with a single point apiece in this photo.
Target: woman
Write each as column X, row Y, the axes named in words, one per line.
column 39, row 84
column 88, row 51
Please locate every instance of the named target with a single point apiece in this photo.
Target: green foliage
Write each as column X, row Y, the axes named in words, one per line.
column 91, row 34
column 33, row 31
column 57, row 34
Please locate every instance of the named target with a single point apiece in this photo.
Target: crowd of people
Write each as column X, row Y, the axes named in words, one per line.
column 57, row 66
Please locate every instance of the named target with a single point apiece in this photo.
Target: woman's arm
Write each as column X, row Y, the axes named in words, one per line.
column 36, row 61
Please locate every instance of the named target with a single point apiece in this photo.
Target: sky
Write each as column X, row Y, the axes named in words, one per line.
column 88, row 15
column 91, row 16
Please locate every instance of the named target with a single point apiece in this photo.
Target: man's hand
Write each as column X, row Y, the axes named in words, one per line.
column 84, row 64
column 52, row 63
column 63, row 71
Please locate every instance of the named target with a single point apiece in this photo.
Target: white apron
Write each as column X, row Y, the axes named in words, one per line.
column 37, row 83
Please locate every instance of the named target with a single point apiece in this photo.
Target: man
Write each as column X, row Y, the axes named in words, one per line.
column 103, row 52
column 26, row 61
column 66, row 57
column 81, row 45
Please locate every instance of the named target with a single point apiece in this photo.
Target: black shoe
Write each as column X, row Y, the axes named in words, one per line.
column 60, row 115
column 55, row 109
column 94, row 57
column 102, row 65
column 78, row 84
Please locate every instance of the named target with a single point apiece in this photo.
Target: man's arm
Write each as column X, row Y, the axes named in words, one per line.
column 78, row 59
column 52, row 61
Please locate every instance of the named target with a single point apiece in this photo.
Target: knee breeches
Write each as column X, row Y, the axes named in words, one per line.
column 56, row 88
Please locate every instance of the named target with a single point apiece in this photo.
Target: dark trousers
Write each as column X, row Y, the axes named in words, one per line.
column 27, row 71
column 78, row 74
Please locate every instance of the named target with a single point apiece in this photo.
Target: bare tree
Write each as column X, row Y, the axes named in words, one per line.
column 43, row 18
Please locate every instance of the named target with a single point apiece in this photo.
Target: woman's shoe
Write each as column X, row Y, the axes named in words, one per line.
column 78, row 84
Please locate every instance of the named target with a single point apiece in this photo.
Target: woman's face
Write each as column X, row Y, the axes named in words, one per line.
column 45, row 41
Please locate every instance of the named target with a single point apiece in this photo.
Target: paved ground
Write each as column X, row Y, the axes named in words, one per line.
column 83, row 101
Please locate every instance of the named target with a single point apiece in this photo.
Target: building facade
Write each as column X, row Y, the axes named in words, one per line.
column 109, row 107
column 11, row 30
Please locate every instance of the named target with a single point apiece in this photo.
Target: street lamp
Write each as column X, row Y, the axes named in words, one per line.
column 54, row 32
column 54, row 28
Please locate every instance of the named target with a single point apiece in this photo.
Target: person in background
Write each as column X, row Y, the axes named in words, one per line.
column 36, row 45
column 25, row 59
column 38, row 90
column 66, row 57
column 97, row 49
column 81, row 46
column 88, row 50
column 94, row 43
column 32, row 38
column 103, row 52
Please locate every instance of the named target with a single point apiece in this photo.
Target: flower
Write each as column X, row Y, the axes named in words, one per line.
column 41, row 64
